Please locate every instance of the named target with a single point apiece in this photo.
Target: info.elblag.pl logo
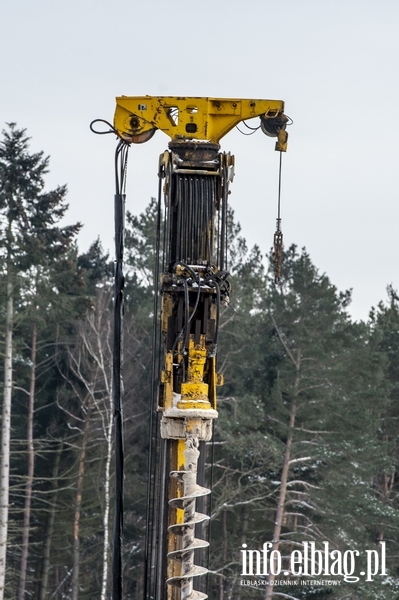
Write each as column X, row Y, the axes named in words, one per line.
column 314, row 563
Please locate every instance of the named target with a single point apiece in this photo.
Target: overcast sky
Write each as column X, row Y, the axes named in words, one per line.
column 335, row 64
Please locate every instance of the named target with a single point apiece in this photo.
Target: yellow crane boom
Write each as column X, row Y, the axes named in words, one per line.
column 202, row 119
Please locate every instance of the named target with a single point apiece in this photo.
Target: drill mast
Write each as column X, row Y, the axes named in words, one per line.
column 194, row 284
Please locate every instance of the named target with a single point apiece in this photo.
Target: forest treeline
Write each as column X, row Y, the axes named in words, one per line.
column 305, row 446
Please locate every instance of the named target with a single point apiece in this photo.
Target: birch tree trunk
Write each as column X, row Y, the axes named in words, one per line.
column 94, row 337
column 106, row 508
column 78, row 508
column 31, row 467
column 5, row 433
column 91, row 364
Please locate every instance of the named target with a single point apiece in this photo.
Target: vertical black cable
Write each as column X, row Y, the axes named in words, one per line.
column 117, row 367
column 121, row 155
column 209, row 200
column 218, row 234
column 117, row 398
column 226, row 224
column 223, row 237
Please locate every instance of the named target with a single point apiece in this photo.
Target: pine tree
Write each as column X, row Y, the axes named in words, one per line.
column 298, row 443
column 30, row 241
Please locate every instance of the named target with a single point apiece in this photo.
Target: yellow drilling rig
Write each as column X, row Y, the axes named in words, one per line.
column 193, row 284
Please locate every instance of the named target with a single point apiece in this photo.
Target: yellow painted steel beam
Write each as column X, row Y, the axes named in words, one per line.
column 182, row 118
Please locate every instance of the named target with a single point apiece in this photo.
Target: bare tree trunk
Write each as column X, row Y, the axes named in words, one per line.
column 94, row 353
column 31, row 466
column 78, row 507
column 106, row 507
column 220, row 589
column 244, row 529
column 43, row 583
column 284, row 476
column 5, row 433
column 222, row 580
